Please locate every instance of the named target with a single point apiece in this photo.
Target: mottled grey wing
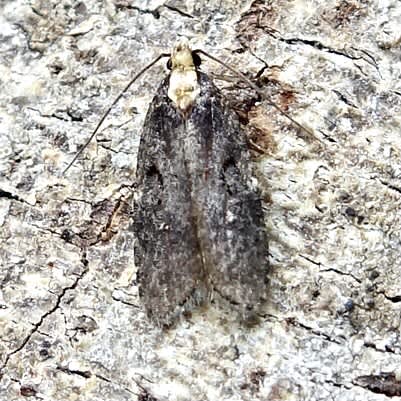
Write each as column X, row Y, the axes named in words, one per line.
column 171, row 277
column 229, row 217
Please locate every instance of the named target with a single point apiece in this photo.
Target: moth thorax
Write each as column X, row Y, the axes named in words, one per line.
column 184, row 86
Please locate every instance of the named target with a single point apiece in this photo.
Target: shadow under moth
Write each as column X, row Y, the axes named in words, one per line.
column 198, row 215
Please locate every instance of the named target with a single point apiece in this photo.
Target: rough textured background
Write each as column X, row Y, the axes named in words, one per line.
column 71, row 326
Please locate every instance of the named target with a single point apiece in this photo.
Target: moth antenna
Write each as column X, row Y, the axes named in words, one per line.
column 153, row 62
column 258, row 90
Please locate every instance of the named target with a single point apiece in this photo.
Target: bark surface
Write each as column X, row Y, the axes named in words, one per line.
column 71, row 323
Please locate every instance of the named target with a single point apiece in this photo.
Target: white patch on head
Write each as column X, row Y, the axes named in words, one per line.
column 184, row 87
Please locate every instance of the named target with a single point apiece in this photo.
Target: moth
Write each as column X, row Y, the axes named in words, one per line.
column 198, row 217
column 198, row 213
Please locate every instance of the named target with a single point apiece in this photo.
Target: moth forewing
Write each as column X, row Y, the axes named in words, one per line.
column 198, row 219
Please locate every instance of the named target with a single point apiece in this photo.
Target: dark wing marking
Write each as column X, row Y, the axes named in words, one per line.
column 230, row 221
column 171, row 276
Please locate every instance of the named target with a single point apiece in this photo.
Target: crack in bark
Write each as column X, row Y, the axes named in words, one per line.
column 109, row 149
column 390, row 186
column 9, row 195
column 79, row 200
column 373, row 61
column 344, row 99
column 83, row 373
column 37, row 325
column 331, row 269
column 105, row 379
column 155, row 13
column 369, row 59
column 69, row 113
column 49, row 230
column 310, row 260
column 341, row 273
column 395, row 299
column 87, row 374
column 335, row 384
column 318, row 333
column 177, row 10
column 114, row 298
column 320, row 46
column 373, row 346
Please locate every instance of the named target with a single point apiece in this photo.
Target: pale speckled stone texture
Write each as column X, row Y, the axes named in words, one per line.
column 71, row 325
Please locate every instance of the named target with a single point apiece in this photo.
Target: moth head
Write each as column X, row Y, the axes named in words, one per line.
column 184, row 86
column 181, row 56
